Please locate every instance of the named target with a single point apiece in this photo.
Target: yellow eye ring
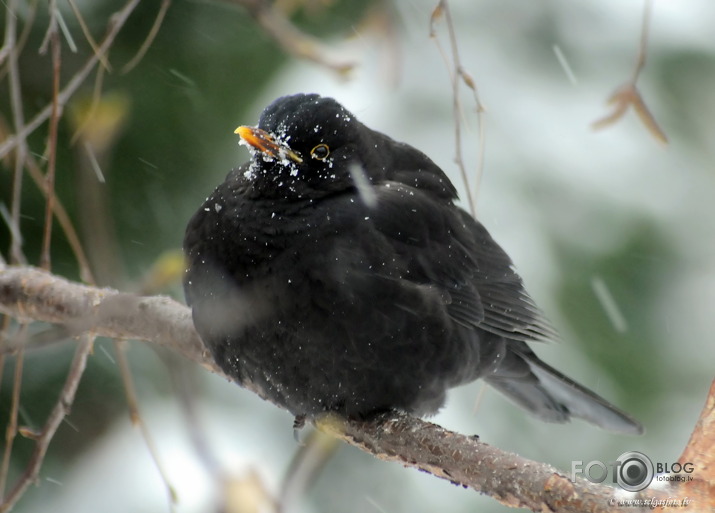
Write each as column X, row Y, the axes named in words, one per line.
column 320, row 152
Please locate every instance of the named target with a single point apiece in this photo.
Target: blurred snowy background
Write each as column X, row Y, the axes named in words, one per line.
column 579, row 211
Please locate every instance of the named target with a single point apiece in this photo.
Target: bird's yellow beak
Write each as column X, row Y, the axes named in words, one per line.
column 266, row 143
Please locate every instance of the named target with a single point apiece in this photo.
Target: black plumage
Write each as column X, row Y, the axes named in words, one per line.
column 334, row 272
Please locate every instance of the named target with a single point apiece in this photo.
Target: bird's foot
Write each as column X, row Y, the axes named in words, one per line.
column 298, row 425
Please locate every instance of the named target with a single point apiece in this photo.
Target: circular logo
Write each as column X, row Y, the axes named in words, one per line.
column 635, row 471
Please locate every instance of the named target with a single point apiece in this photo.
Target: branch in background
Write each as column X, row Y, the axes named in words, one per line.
column 57, row 415
column 33, row 169
column 149, row 38
column 700, row 451
column 11, row 427
column 49, row 185
column 290, row 38
column 137, row 420
column 116, row 22
column 457, row 73
column 28, row 294
column 88, row 36
column 18, row 116
column 628, row 95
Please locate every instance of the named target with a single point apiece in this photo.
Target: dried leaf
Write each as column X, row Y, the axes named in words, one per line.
column 647, row 118
column 629, row 96
column 617, row 114
column 622, row 98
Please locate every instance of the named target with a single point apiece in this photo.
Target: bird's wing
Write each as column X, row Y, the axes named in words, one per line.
column 444, row 246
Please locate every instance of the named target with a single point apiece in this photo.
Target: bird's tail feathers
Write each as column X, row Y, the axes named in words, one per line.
column 553, row 397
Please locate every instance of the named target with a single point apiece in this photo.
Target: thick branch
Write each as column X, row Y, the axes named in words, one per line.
column 464, row 460
column 700, row 452
column 28, row 293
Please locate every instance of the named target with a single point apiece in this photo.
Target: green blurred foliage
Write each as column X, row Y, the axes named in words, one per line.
column 206, row 67
column 633, row 273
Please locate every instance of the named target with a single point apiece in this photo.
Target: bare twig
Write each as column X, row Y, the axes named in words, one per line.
column 59, row 412
column 290, row 38
column 88, row 36
column 17, row 43
column 149, row 38
column 64, row 221
column 31, row 294
column 643, row 44
column 458, row 74
column 49, row 185
column 136, row 418
column 16, row 254
column 117, row 21
column 185, row 394
column 628, row 94
column 11, row 428
column 10, row 22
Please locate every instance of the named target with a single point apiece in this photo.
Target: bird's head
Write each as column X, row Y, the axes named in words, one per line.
column 304, row 145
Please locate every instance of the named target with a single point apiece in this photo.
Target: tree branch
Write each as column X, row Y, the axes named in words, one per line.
column 290, row 38
column 116, row 22
column 628, row 94
column 28, row 294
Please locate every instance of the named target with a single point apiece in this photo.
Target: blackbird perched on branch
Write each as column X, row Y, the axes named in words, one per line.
column 334, row 272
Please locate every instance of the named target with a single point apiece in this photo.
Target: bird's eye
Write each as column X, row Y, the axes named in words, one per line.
column 320, row 152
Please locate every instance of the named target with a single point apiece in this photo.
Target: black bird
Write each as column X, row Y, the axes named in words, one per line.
column 334, row 272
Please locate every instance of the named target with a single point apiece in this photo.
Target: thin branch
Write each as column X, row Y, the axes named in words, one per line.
column 137, row 420
column 643, row 43
column 28, row 293
column 49, row 186
column 19, row 44
column 64, row 221
column 628, row 94
column 290, row 38
column 16, row 254
column 88, row 36
column 11, row 428
column 185, row 392
column 8, row 44
column 149, row 38
column 117, row 21
column 59, row 412
column 458, row 74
